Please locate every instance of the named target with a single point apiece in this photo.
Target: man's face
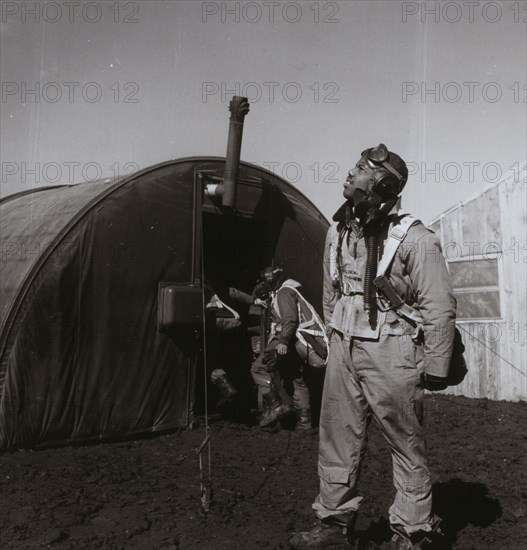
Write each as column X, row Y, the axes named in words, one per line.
column 358, row 178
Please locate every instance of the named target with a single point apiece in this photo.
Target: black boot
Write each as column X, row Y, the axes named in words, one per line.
column 402, row 541
column 274, row 409
column 328, row 533
column 418, row 540
column 227, row 392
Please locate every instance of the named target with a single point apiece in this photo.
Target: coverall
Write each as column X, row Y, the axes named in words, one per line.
column 374, row 369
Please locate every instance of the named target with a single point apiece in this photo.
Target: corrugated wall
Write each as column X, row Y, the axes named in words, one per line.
column 495, row 349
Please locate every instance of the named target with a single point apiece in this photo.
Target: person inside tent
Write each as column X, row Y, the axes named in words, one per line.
column 224, row 341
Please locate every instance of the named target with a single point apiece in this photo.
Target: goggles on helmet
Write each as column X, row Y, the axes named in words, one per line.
column 270, row 273
column 269, row 280
column 378, row 156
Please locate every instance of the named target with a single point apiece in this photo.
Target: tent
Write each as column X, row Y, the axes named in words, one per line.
column 97, row 278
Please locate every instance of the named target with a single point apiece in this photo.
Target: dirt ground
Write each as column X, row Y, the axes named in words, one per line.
column 145, row 494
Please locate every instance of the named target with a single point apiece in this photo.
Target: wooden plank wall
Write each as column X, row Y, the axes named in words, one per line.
column 495, row 350
column 513, row 198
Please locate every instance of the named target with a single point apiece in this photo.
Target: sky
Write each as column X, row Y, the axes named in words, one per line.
column 103, row 88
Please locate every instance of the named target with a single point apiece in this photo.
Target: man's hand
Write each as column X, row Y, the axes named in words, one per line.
column 433, row 383
column 281, row 349
column 260, row 303
column 271, row 360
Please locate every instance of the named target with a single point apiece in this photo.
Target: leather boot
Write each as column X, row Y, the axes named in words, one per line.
column 419, row 540
column 302, row 403
column 227, row 392
column 403, row 542
column 303, row 419
column 274, row 409
column 326, row 534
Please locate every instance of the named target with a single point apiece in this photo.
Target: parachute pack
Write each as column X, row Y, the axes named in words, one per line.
column 311, row 341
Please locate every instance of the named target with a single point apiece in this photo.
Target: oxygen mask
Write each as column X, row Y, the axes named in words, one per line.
column 368, row 208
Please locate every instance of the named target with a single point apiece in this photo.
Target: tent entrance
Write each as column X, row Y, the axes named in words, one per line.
column 234, row 251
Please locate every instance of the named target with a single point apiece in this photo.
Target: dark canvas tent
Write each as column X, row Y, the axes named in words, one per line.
column 81, row 353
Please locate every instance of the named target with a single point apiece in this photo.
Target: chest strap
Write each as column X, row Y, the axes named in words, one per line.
column 395, row 238
column 382, row 283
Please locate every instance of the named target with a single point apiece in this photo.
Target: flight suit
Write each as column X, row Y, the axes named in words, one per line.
column 374, row 370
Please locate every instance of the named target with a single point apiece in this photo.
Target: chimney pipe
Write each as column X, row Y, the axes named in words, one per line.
column 239, row 107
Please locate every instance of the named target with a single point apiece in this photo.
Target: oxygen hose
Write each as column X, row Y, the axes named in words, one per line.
column 370, row 271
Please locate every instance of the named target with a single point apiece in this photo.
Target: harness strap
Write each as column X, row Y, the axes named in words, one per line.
column 410, row 314
column 395, row 238
column 312, row 331
column 315, row 319
column 216, row 302
column 339, row 255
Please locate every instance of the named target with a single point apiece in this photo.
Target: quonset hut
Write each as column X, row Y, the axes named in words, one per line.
column 483, row 241
column 101, row 292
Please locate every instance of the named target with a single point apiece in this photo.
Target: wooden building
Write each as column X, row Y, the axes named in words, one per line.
column 484, row 242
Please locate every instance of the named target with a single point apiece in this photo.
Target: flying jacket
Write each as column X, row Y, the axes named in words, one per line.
column 419, row 276
column 284, row 304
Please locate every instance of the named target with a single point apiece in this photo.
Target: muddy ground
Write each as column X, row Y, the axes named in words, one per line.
column 145, row 494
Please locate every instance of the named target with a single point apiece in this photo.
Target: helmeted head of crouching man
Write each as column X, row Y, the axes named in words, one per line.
column 374, row 184
column 270, row 279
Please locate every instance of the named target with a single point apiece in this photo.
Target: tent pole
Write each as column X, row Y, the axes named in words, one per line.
column 205, row 478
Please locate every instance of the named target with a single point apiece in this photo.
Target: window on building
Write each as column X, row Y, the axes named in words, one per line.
column 476, row 286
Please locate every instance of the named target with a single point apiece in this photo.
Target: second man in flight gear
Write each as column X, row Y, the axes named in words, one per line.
column 278, row 355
